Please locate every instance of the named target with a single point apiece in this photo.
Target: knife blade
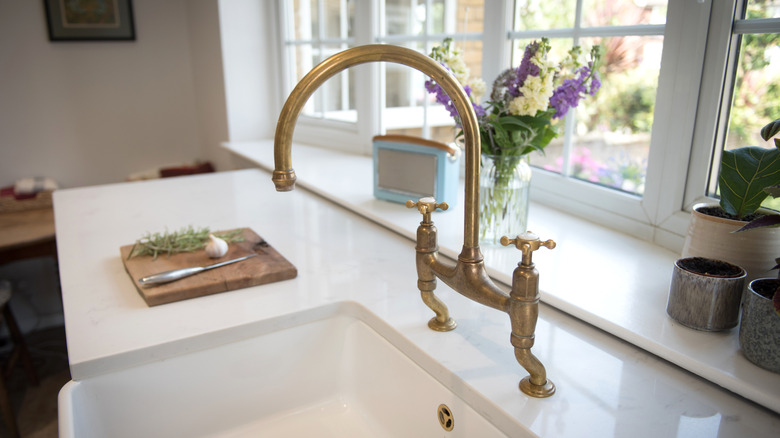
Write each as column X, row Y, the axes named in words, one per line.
column 178, row 274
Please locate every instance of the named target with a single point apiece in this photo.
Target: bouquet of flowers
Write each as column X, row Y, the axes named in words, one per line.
column 524, row 101
column 519, row 116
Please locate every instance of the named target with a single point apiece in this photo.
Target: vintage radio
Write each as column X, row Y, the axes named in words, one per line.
column 409, row 168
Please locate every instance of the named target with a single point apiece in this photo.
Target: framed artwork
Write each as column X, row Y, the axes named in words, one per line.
column 89, row 20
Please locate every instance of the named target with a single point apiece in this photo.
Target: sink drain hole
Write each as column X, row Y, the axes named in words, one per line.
column 445, row 417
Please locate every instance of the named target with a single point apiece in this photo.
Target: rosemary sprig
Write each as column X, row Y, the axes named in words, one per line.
column 187, row 239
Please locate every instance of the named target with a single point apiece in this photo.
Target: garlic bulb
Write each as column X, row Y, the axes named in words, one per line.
column 216, row 247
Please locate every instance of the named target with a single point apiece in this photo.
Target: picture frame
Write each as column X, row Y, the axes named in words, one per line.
column 96, row 20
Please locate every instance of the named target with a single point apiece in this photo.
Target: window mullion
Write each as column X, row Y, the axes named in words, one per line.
column 757, row 25
column 343, row 33
column 606, row 31
column 571, row 119
column 707, row 128
column 496, row 44
column 677, row 104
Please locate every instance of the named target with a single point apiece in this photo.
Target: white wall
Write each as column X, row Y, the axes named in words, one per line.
column 89, row 113
column 250, row 53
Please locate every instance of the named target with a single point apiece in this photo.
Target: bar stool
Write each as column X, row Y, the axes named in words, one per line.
column 19, row 351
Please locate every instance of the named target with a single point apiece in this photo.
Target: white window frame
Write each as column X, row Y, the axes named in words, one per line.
column 690, row 86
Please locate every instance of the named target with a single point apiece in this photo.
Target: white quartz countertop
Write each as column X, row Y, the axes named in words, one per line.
column 606, row 387
column 608, row 279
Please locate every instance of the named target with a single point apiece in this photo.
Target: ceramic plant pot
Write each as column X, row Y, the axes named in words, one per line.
column 705, row 293
column 759, row 332
column 713, row 237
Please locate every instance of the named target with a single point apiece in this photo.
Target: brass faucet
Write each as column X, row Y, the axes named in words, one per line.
column 468, row 276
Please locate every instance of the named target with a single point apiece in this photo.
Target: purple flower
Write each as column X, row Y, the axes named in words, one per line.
column 595, row 84
column 441, row 96
column 525, row 69
column 444, row 99
column 568, row 95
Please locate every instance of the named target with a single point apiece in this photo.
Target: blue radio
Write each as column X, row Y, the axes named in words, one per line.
column 410, row 168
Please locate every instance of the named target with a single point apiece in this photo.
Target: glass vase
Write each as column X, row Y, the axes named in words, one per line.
column 504, row 185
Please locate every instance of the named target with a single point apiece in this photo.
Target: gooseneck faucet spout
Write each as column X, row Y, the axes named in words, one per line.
column 284, row 175
column 468, row 276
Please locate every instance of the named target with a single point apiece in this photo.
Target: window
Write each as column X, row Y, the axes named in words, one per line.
column 751, row 85
column 606, row 140
column 674, row 74
column 316, row 30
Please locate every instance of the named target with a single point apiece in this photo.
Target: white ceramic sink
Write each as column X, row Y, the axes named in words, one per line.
column 325, row 372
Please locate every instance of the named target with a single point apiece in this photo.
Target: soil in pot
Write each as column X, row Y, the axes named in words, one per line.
column 716, row 211
column 709, row 267
column 767, row 288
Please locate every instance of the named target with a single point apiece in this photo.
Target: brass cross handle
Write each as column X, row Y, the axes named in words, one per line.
column 426, row 206
column 527, row 242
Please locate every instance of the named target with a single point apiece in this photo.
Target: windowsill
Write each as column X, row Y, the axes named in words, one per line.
column 608, row 279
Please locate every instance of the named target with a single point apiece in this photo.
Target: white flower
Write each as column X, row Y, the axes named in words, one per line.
column 478, row 88
column 459, row 69
column 522, row 106
column 536, row 92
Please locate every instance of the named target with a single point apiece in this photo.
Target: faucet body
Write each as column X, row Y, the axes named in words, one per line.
column 468, row 275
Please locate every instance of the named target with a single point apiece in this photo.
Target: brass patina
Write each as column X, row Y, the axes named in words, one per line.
column 468, row 276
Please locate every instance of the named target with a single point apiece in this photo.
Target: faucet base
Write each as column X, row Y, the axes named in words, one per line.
column 537, row 391
column 448, row 325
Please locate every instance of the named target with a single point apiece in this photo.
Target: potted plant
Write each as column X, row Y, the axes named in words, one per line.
column 747, row 176
column 759, row 330
column 705, row 293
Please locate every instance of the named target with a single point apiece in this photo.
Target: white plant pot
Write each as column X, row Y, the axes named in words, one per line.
column 714, row 238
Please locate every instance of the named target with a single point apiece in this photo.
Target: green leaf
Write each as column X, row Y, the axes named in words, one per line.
column 513, row 121
column 770, row 130
column 744, row 173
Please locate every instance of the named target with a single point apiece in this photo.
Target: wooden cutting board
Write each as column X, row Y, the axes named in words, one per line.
column 267, row 267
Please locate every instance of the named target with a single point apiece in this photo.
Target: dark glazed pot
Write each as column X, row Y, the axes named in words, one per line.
column 705, row 293
column 759, row 332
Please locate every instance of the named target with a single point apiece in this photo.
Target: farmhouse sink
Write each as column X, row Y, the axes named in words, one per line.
column 328, row 372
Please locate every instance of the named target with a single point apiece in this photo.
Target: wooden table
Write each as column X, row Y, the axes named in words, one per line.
column 27, row 234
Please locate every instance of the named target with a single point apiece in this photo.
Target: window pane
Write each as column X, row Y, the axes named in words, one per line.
column 335, row 99
column 337, row 19
column 409, row 106
column 405, row 17
column 404, row 85
column 305, row 20
column 756, row 98
column 622, row 12
column 611, row 132
column 314, row 23
column 763, row 9
column 408, row 17
column 409, row 109
column 553, row 157
column 544, row 14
